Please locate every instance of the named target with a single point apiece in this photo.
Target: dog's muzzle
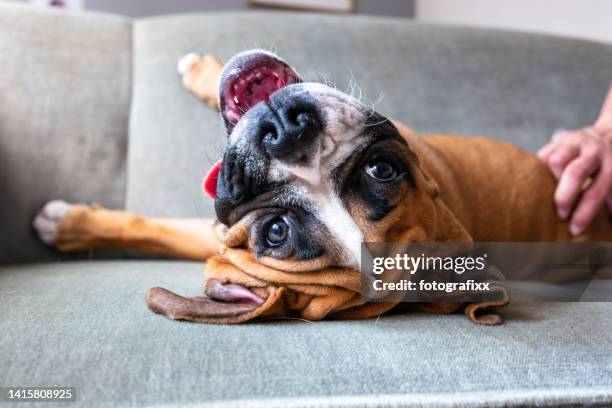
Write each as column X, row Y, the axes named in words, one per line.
column 288, row 124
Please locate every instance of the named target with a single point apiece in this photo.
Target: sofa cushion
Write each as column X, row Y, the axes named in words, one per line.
column 65, row 86
column 508, row 85
column 85, row 324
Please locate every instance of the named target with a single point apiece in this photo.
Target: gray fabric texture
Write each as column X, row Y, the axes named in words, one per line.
column 85, row 324
column 64, row 107
column 460, row 80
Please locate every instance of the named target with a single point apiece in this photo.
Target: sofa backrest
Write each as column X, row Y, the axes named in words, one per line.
column 435, row 78
column 64, row 110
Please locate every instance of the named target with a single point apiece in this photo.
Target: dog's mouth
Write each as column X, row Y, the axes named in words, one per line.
column 250, row 78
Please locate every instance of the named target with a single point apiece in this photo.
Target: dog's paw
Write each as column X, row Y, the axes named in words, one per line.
column 200, row 75
column 48, row 218
column 185, row 62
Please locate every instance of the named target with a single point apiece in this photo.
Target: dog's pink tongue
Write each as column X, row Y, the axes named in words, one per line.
column 232, row 293
column 210, row 180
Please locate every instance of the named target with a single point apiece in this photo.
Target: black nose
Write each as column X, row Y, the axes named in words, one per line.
column 291, row 125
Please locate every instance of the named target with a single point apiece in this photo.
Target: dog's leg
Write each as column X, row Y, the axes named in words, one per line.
column 200, row 76
column 78, row 227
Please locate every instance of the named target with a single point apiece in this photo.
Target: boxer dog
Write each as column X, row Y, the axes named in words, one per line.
column 308, row 175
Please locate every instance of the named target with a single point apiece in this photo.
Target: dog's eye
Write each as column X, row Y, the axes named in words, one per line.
column 381, row 170
column 277, row 232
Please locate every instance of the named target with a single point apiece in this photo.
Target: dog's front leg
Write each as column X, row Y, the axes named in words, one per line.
column 79, row 227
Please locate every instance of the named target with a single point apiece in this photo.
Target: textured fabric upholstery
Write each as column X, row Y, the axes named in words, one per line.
column 64, row 108
column 512, row 86
column 87, row 325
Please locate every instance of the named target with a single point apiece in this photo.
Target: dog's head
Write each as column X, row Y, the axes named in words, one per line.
column 316, row 171
column 309, row 173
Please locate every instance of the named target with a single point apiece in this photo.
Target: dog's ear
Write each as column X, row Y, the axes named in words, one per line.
column 481, row 313
column 202, row 309
column 449, row 229
column 197, row 309
column 236, row 307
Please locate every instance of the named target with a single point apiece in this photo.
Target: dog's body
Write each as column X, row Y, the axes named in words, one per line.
column 497, row 191
column 308, row 175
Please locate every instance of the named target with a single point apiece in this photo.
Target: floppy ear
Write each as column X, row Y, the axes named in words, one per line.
column 481, row 313
column 451, row 230
column 443, row 226
column 203, row 309
column 447, row 226
column 197, row 309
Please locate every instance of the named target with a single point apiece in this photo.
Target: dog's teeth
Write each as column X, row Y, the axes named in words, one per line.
column 258, row 74
column 275, row 75
column 242, row 81
column 236, row 99
column 235, row 87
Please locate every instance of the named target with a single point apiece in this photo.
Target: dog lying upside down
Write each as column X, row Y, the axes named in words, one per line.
column 309, row 173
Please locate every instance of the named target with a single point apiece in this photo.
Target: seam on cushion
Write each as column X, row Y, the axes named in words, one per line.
column 596, row 396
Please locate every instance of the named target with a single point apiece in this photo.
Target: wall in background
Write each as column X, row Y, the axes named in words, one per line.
column 144, row 8
column 590, row 19
column 392, row 8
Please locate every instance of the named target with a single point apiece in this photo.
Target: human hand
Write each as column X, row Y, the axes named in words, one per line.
column 581, row 160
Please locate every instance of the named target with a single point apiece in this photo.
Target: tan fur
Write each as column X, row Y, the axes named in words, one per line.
column 86, row 227
column 496, row 190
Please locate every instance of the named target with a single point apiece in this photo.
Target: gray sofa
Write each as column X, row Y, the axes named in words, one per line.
column 91, row 109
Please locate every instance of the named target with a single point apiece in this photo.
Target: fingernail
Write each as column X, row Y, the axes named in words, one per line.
column 575, row 230
column 562, row 213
